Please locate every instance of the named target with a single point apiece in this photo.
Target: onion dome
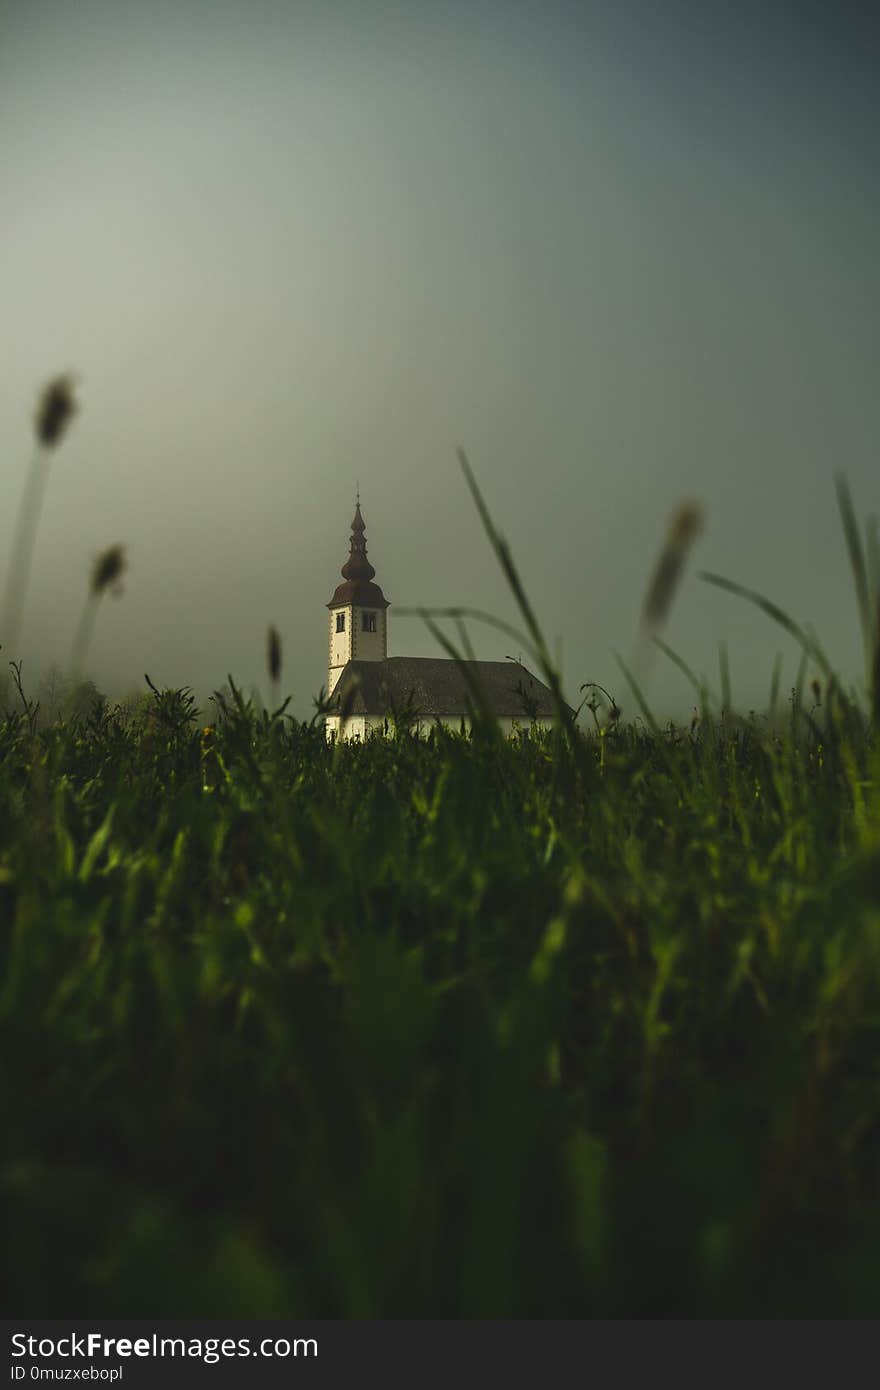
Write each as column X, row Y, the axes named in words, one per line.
column 358, row 572
column 357, row 566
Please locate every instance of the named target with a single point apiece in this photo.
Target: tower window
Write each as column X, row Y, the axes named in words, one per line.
column 340, row 622
column 369, row 622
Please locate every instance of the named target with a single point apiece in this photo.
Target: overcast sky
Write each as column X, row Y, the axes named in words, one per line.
column 624, row 253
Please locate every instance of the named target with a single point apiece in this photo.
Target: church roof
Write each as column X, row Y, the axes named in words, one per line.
column 358, row 572
column 437, row 686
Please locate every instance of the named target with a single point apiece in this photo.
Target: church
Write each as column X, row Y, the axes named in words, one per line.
column 367, row 685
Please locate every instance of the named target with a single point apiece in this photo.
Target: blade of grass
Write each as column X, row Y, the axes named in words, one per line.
column 778, row 614
column 724, row 672
column 648, row 716
column 873, row 560
column 482, row 707
column 872, row 547
column 797, row 694
column 464, row 638
column 699, row 686
column 857, row 561
column 774, row 685
column 505, row 559
column 875, row 665
column 478, row 615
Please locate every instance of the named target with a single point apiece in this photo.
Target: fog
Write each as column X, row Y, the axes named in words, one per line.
column 624, row 255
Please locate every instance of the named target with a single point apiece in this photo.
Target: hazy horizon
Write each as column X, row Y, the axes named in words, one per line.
column 624, row 258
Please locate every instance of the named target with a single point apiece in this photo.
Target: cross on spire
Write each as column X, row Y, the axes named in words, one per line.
column 357, row 571
column 357, row 566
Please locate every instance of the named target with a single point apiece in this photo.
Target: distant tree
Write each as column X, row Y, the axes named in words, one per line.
column 82, row 699
column 134, row 706
column 59, row 697
column 51, row 695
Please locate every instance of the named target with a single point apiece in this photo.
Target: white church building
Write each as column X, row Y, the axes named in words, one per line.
column 367, row 687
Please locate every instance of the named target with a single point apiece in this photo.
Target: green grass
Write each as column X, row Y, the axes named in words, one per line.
column 561, row 1027
column 580, row 1024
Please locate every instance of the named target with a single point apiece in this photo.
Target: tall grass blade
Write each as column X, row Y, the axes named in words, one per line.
column 872, row 556
column 774, row 686
column 648, row 716
column 724, row 673
column 857, row 561
column 699, row 686
column 56, row 407
column 873, row 560
column 638, row 695
column 478, row 615
column 482, row 707
column 778, row 615
column 505, row 559
column 797, row 694
column 21, row 558
column 107, row 570
column 875, row 665
column 83, row 636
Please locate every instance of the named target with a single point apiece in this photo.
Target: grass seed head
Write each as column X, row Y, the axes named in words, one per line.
column 274, row 655
column 686, row 524
column 684, row 527
column 108, row 568
column 55, row 410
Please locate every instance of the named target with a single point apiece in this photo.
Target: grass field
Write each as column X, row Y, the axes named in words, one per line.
column 439, row 1028
column 584, row 1023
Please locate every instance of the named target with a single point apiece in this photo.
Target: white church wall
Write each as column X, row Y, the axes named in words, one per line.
column 356, row 642
column 367, row 645
column 340, row 646
column 360, row 726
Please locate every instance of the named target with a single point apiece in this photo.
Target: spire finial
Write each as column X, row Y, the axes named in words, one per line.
column 357, row 566
column 357, row 571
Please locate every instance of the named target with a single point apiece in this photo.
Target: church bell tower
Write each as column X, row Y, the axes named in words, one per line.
column 358, row 610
